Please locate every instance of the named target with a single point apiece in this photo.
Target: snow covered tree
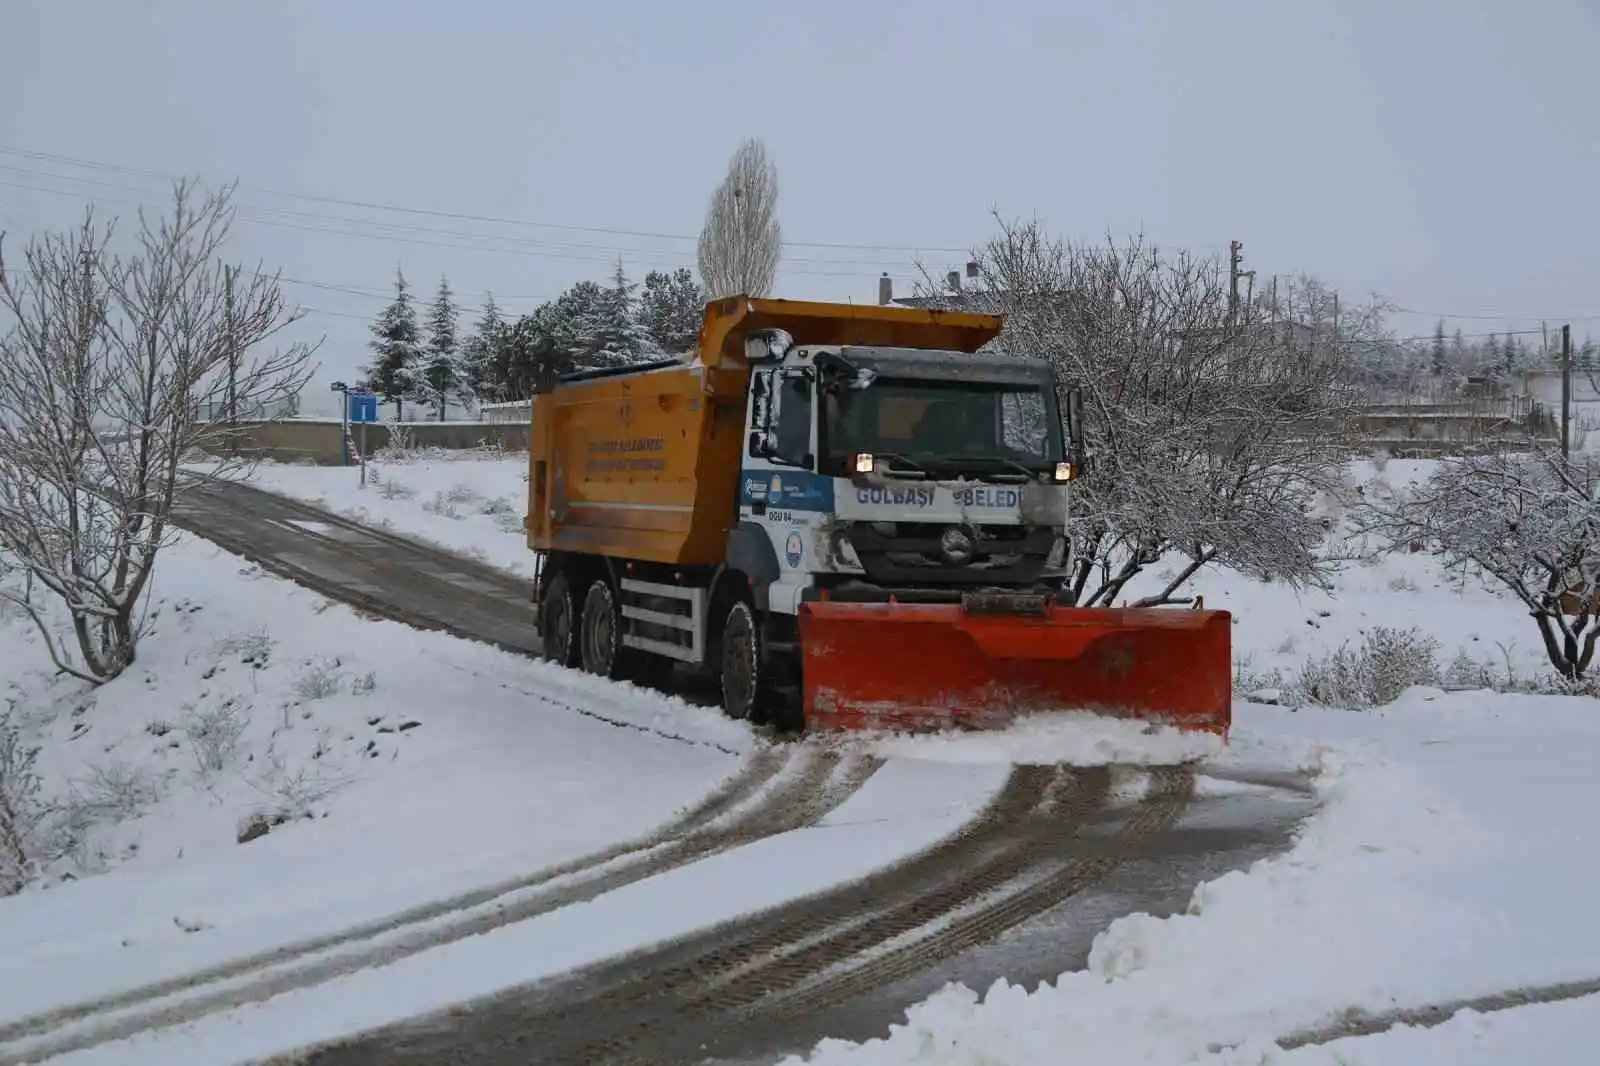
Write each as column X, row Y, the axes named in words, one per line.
column 616, row 330
column 671, row 308
column 741, row 240
column 477, row 354
column 436, row 376
column 594, row 324
column 1206, row 441
column 397, row 349
column 109, row 368
column 1439, row 362
column 528, row 350
column 1529, row 521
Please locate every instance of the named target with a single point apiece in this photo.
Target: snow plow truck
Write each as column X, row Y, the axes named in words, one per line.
column 848, row 518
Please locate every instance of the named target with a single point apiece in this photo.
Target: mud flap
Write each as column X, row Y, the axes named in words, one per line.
column 911, row 666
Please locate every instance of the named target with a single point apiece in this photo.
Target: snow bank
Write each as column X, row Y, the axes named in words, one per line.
column 403, row 766
column 1069, row 737
column 1553, row 1034
column 1453, row 857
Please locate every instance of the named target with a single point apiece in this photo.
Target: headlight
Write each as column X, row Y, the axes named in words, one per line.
column 1064, row 472
column 862, row 463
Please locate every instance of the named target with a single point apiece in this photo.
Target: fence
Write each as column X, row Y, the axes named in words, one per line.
column 519, row 411
column 217, row 411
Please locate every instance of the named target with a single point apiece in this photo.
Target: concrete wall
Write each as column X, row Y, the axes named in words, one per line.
column 317, row 440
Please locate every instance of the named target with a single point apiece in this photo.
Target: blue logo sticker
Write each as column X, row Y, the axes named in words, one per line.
column 793, row 549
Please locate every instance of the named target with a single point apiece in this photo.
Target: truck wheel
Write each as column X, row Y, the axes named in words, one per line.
column 558, row 630
column 742, row 673
column 602, row 651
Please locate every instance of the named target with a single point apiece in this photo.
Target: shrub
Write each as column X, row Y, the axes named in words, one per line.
column 1387, row 662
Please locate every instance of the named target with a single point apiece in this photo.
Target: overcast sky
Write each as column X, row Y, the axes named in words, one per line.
column 1443, row 153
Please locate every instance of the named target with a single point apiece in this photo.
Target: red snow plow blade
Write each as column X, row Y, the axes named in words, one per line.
column 980, row 663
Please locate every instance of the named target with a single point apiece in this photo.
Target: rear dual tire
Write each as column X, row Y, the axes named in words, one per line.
column 601, row 650
column 558, row 622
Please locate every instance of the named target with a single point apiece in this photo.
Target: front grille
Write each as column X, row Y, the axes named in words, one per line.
column 1005, row 555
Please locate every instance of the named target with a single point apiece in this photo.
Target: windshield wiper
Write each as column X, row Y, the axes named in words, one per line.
column 958, row 461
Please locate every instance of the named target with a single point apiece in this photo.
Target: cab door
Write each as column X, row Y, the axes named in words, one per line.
column 779, row 489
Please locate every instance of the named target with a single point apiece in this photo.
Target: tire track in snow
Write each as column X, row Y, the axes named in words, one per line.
column 1032, row 876
column 775, row 792
column 672, row 1002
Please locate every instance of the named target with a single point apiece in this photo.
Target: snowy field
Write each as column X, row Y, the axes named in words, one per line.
column 1450, row 859
column 465, row 501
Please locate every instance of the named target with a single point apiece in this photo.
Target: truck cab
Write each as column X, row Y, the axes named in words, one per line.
column 881, row 472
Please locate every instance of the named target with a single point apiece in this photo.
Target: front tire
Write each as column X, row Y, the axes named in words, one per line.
column 742, row 669
column 602, row 650
column 558, row 616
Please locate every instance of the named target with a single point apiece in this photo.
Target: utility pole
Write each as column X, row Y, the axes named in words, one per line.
column 230, row 341
column 1566, row 391
column 1235, row 259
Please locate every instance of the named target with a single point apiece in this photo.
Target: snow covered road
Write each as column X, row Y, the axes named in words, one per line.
column 929, row 885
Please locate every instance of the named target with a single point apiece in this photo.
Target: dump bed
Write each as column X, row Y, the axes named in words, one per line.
column 637, row 465
column 643, row 463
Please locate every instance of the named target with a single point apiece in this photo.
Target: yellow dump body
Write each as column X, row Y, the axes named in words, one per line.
column 645, row 465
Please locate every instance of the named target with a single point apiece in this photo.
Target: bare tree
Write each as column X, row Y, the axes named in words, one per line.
column 19, row 806
column 1530, row 521
column 741, row 240
column 1206, row 439
column 110, row 377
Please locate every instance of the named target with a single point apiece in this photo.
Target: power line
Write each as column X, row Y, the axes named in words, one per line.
column 1586, row 316
column 252, row 214
column 89, row 164
column 609, row 249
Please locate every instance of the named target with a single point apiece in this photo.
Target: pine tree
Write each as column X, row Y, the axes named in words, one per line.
column 614, row 332
column 396, row 348
column 435, row 376
column 671, row 308
column 477, row 354
column 1438, row 350
column 528, row 349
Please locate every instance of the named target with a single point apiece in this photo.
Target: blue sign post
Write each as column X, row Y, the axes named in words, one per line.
column 362, row 409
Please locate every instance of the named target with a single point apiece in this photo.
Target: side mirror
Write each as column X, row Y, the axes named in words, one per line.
column 767, row 345
column 838, row 374
column 1075, row 421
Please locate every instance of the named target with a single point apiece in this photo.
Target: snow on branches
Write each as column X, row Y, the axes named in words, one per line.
column 1209, row 434
column 112, row 374
column 1531, row 521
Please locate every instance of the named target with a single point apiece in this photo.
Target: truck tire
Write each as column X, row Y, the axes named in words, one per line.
column 600, row 633
column 742, row 670
column 558, row 622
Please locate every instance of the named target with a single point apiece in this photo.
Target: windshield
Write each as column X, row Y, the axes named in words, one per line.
column 943, row 422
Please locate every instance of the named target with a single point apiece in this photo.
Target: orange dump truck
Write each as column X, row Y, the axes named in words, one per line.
column 849, row 518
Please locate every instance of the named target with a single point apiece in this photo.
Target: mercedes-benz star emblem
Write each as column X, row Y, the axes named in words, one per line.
column 956, row 545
